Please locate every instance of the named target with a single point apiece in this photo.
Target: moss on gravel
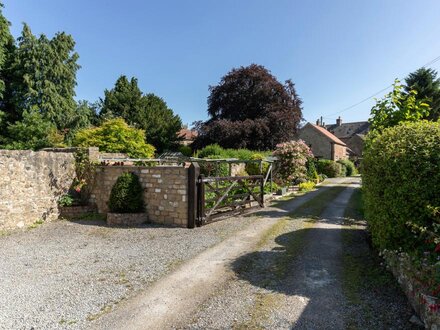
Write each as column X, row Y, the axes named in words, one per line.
column 373, row 295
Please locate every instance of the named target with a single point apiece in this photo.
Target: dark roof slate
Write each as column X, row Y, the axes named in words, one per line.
column 349, row 129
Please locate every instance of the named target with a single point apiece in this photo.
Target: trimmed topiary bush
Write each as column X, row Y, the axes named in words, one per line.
column 126, row 195
column 348, row 167
column 330, row 168
column 401, row 184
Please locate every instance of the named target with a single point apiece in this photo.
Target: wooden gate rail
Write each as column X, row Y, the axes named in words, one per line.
column 227, row 196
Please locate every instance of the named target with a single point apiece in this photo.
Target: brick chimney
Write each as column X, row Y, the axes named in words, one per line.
column 339, row 121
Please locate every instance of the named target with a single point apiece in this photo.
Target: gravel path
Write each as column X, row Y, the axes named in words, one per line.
column 294, row 279
column 65, row 274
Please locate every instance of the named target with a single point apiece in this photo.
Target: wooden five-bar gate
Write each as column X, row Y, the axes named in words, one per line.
column 216, row 198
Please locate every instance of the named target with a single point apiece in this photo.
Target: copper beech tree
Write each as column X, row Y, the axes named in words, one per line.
column 251, row 109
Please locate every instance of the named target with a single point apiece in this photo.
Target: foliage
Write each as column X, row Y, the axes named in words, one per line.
column 186, row 151
column 322, row 177
column 254, row 168
column 114, row 135
column 126, row 195
column 214, row 150
column 425, row 82
column 65, row 200
column 292, row 158
column 306, row 186
column 211, row 150
column 160, row 123
column 267, row 187
column 312, row 173
column 214, row 168
column 6, row 43
column 32, row 132
column 148, row 112
column 401, row 179
column 84, row 175
column 329, row 167
column 250, row 109
column 348, row 167
column 84, row 116
column 397, row 107
column 44, row 76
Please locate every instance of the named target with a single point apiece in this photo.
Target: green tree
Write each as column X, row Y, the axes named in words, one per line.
column 115, row 135
column 425, row 82
column 148, row 112
column 6, row 47
column 44, row 77
column 124, row 100
column 32, row 132
column 160, row 123
column 6, row 51
column 397, row 107
column 84, row 116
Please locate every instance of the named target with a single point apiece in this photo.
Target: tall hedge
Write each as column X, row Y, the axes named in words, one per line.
column 401, row 180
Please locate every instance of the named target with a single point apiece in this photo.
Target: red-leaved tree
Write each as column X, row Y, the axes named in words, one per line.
column 251, row 109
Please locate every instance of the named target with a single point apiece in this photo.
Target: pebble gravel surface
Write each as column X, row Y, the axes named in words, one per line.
column 65, row 275
column 294, row 281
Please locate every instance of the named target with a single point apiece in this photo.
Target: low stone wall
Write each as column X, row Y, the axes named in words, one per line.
column 165, row 191
column 425, row 305
column 75, row 212
column 31, row 184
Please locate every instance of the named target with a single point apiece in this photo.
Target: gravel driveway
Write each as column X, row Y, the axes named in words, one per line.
column 64, row 274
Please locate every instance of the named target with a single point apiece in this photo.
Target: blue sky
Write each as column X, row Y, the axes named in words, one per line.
column 336, row 52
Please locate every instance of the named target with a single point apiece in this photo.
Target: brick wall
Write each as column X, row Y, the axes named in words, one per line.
column 31, row 184
column 339, row 152
column 165, row 191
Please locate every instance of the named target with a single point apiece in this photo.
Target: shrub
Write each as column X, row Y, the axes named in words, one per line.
column 267, row 189
column 312, row 173
column 292, row 158
column 115, row 135
column 330, row 168
column 349, row 167
column 186, row 151
column 306, row 186
column 254, row 168
column 214, row 168
column 126, row 195
column 322, row 177
column 65, row 200
column 401, row 178
column 210, row 151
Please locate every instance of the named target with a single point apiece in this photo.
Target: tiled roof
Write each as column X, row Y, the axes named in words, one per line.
column 327, row 134
column 187, row 134
column 349, row 129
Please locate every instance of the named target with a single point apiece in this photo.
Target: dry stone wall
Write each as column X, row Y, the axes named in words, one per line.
column 165, row 191
column 31, row 184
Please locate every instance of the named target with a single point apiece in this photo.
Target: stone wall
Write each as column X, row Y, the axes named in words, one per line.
column 320, row 145
column 426, row 306
column 31, row 184
column 165, row 191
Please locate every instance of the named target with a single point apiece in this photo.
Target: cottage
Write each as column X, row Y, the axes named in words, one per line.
column 352, row 134
column 188, row 136
column 323, row 143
